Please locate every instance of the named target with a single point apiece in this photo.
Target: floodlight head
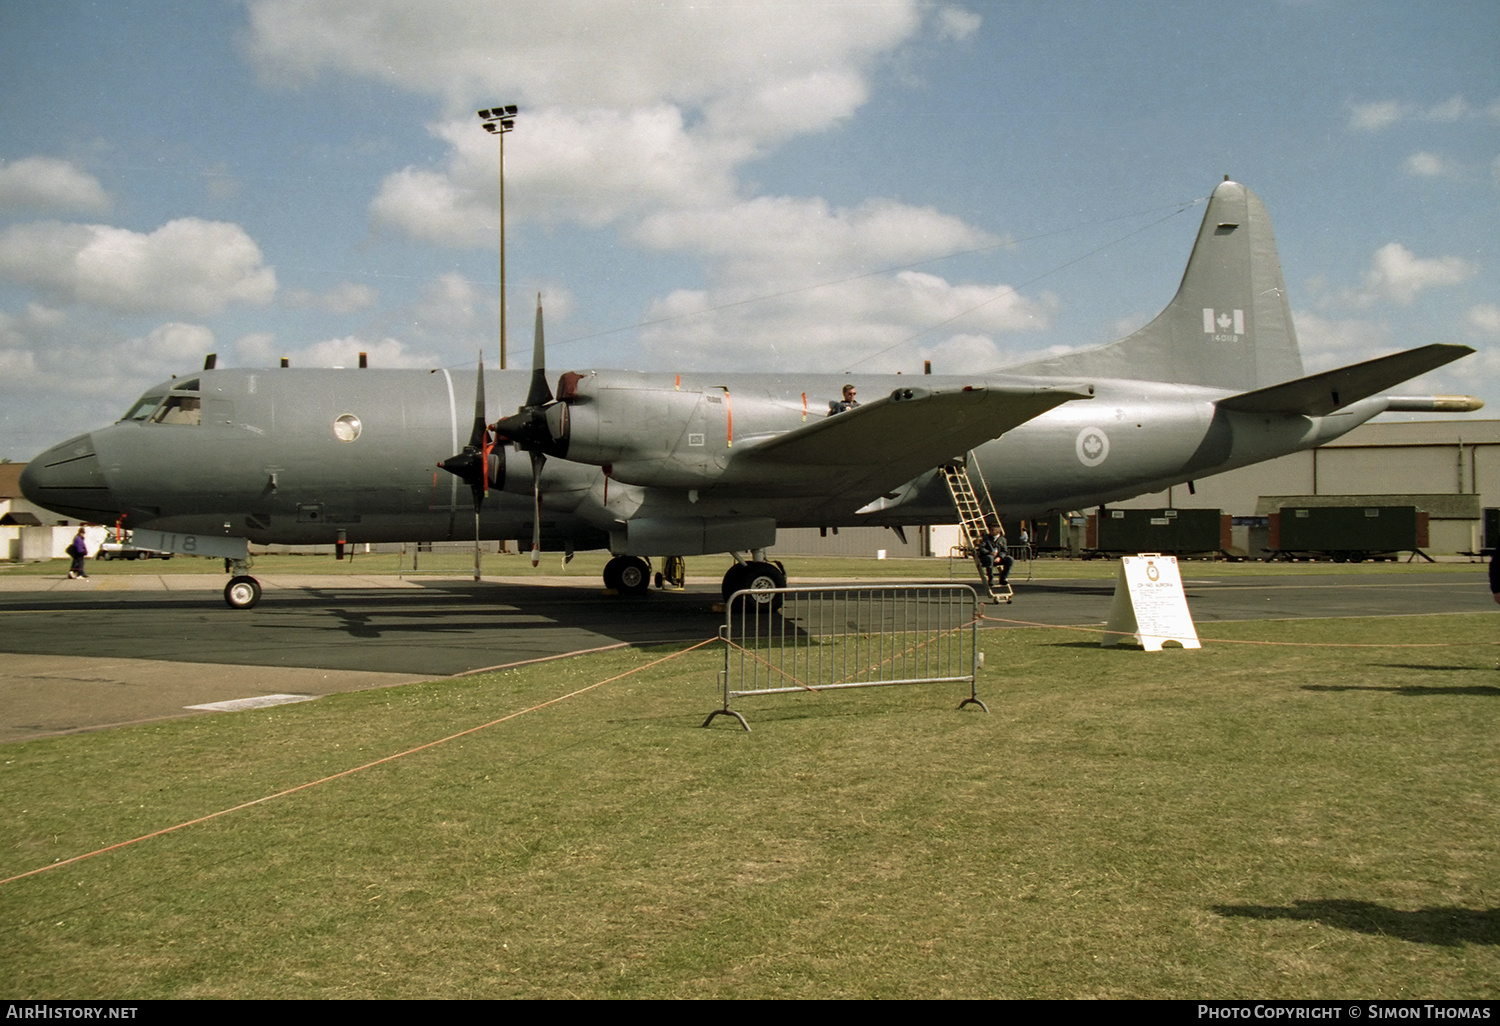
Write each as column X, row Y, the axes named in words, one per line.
column 510, row 109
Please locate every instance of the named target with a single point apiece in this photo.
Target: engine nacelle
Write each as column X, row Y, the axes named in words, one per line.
column 650, row 432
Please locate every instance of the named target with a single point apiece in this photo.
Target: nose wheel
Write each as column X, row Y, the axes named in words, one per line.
column 242, row 592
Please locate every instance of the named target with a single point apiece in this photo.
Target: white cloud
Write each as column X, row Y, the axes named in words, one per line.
column 1329, row 342
column 449, row 305
column 1428, row 165
column 854, row 309
column 176, row 344
column 618, row 53
column 624, row 106
column 964, row 354
column 1485, row 319
column 1453, row 109
column 46, row 183
column 344, row 352
column 344, row 298
column 956, row 23
column 642, row 116
column 261, row 350
column 779, row 238
column 1373, row 117
column 187, row 266
column 1397, row 275
column 592, row 167
column 88, row 370
column 1378, row 116
column 879, row 323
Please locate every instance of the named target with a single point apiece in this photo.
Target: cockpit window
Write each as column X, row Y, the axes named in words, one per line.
column 143, row 407
column 179, row 409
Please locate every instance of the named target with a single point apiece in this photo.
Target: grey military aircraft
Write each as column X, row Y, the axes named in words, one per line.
column 654, row 464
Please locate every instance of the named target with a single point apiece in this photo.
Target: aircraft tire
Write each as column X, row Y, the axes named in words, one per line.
column 242, row 592
column 635, row 575
column 612, row 573
column 742, row 576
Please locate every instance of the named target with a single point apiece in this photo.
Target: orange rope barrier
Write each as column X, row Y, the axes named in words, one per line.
column 357, row 769
column 1240, row 641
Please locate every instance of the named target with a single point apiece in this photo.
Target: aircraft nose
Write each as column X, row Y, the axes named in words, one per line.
column 69, row 479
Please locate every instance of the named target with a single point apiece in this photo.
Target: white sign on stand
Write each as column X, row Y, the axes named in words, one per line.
column 1149, row 605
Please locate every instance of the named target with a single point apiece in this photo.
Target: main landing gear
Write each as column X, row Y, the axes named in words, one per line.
column 631, row 575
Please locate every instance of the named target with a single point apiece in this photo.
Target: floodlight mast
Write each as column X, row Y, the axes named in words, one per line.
column 497, row 121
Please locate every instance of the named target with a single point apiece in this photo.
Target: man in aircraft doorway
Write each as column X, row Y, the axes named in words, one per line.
column 844, row 404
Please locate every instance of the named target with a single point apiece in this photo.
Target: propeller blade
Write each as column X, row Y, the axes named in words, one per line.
column 472, row 465
column 537, row 460
column 478, row 575
column 476, row 436
column 540, row 393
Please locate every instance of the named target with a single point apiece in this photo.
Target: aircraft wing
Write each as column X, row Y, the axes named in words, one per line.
column 1320, row 394
column 879, row 445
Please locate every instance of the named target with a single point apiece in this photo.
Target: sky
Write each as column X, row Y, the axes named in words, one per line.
column 700, row 185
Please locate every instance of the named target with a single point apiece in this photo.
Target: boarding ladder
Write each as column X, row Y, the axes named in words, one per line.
column 976, row 510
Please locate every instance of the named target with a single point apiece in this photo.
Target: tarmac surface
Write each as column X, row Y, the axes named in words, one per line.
column 117, row 650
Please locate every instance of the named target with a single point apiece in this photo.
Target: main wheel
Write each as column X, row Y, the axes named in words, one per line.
column 635, row 576
column 744, row 576
column 628, row 575
column 242, row 592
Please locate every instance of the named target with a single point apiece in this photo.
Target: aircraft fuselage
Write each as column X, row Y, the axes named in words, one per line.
column 319, row 456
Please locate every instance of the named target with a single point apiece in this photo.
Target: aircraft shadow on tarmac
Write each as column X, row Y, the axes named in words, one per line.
column 1446, row 927
column 438, row 628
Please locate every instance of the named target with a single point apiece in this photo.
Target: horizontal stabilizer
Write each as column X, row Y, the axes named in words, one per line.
column 1318, row 395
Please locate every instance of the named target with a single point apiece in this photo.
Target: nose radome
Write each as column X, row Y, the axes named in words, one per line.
column 69, row 479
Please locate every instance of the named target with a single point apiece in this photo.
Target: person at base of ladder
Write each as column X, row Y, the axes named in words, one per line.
column 991, row 555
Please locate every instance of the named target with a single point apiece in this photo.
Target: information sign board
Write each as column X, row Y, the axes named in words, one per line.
column 1149, row 605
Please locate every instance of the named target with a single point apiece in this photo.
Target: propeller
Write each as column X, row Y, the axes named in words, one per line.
column 535, row 428
column 473, row 465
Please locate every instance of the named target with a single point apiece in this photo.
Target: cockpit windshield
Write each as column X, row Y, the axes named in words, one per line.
column 179, row 409
column 166, row 404
column 143, row 407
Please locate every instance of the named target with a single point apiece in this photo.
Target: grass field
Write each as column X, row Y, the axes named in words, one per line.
column 590, row 565
column 1297, row 817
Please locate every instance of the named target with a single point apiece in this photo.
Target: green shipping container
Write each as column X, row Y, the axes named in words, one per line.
column 1158, row 530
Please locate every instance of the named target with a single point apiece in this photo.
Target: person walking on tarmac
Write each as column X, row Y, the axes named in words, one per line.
column 78, row 548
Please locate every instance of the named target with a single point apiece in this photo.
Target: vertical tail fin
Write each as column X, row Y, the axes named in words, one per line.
column 1229, row 326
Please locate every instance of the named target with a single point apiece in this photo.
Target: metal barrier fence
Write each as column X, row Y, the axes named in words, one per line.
column 784, row 640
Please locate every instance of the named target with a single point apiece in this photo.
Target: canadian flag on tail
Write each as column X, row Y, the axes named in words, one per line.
column 1223, row 322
